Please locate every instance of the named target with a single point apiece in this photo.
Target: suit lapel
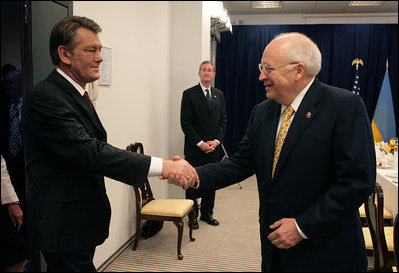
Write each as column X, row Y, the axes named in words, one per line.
column 71, row 90
column 214, row 99
column 306, row 112
column 201, row 97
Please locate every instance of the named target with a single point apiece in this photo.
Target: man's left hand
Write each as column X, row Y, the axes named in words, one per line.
column 286, row 234
column 213, row 144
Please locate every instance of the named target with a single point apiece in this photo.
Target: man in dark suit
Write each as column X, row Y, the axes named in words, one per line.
column 310, row 192
column 67, row 155
column 12, row 147
column 203, row 121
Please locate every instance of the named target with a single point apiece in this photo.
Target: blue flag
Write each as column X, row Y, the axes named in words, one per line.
column 384, row 118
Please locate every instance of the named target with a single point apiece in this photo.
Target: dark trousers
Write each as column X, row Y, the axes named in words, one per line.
column 74, row 261
column 274, row 264
column 208, row 199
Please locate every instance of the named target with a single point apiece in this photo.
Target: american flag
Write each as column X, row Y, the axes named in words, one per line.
column 355, row 86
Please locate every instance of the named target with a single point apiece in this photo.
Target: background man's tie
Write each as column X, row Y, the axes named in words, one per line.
column 15, row 129
column 285, row 125
column 208, row 98
column 86, row 96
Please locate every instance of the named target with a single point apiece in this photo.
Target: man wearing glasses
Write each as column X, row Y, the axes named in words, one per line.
column 311, row 148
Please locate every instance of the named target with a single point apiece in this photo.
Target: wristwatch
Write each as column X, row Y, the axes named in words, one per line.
column 13, row 203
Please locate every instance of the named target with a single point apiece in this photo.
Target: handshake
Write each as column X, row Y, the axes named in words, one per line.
column 179, row 172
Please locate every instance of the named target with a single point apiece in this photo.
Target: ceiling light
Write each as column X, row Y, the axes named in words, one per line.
column 365, row 3
column 265, row 4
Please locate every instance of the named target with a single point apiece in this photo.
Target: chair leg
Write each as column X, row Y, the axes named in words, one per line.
column 191, row 217
column 138, row 233
column 179, row 225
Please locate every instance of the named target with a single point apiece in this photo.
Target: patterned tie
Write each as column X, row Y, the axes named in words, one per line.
column 285, row 125
column 15, row 129
column 86, row 97
column 208, row 98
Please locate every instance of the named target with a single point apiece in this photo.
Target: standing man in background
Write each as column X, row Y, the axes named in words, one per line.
column 12, row 143
column 67, row 155
column 203, row 120
column 312, row 150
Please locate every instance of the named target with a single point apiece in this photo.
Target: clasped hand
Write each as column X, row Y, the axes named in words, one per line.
column 209, row 146
column 179, row 172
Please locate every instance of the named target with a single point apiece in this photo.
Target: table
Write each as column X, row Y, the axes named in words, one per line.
column 390, row 189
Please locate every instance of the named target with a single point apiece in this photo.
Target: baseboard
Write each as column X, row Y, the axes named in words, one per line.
column 116, row 254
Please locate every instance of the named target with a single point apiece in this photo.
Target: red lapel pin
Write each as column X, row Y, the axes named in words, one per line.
column 308, row 115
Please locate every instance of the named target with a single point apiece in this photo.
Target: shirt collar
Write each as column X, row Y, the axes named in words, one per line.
column 297, row 101
column 203, row 88
column 75, row 84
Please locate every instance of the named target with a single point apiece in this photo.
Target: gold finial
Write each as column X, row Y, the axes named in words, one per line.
column 387, row 64
column 357, row 62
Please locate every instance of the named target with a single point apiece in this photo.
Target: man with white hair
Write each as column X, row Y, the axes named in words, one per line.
column 311, row 148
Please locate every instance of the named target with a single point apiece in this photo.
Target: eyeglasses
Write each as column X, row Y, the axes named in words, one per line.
column 267, row 69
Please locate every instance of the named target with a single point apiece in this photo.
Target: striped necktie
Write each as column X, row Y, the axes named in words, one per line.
column 285, row 125
column 15, row 129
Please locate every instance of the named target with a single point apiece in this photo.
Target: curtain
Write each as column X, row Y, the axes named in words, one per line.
column 238, row 55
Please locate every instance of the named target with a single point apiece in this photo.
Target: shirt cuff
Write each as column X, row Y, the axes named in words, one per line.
column 155, row 166
column 200, row 143
column 300, row 231
column 217, row 141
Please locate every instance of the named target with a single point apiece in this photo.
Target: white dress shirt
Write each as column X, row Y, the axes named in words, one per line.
column 8, row 194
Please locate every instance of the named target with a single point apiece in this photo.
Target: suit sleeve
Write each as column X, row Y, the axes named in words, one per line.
column 186, row 120
column 354, row 172
column 61, row 131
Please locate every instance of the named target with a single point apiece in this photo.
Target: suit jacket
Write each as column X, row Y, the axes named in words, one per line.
column 198, row 122
column 67, row 157
column 326, row 170
column 15, row 163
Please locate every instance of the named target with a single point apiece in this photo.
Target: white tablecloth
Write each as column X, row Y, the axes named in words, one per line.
column 390, row 188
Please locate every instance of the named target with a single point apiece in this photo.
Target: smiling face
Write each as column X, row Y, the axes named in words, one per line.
column 206, row 74
column 280, row 81
column 82, row 61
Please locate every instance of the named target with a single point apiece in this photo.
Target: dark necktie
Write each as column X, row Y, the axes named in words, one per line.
column 87, row 99
column 208, row 98
column 15, row 129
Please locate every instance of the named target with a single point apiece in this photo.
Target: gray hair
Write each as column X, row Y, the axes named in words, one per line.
column 207, row 62
column 64, row 31
column 302, row 49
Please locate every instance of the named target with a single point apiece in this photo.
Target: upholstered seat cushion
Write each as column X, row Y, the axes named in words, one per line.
column 168, row 207
column 362, row 213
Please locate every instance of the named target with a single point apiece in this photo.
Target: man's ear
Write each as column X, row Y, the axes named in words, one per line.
column 64, row 54
column 300, row 71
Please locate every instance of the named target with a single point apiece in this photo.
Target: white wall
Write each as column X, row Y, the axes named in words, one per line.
column 156, row 49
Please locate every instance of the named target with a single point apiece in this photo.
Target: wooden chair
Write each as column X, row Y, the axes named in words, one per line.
column 375, row 232
column 148, row 208
column 388, row 218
